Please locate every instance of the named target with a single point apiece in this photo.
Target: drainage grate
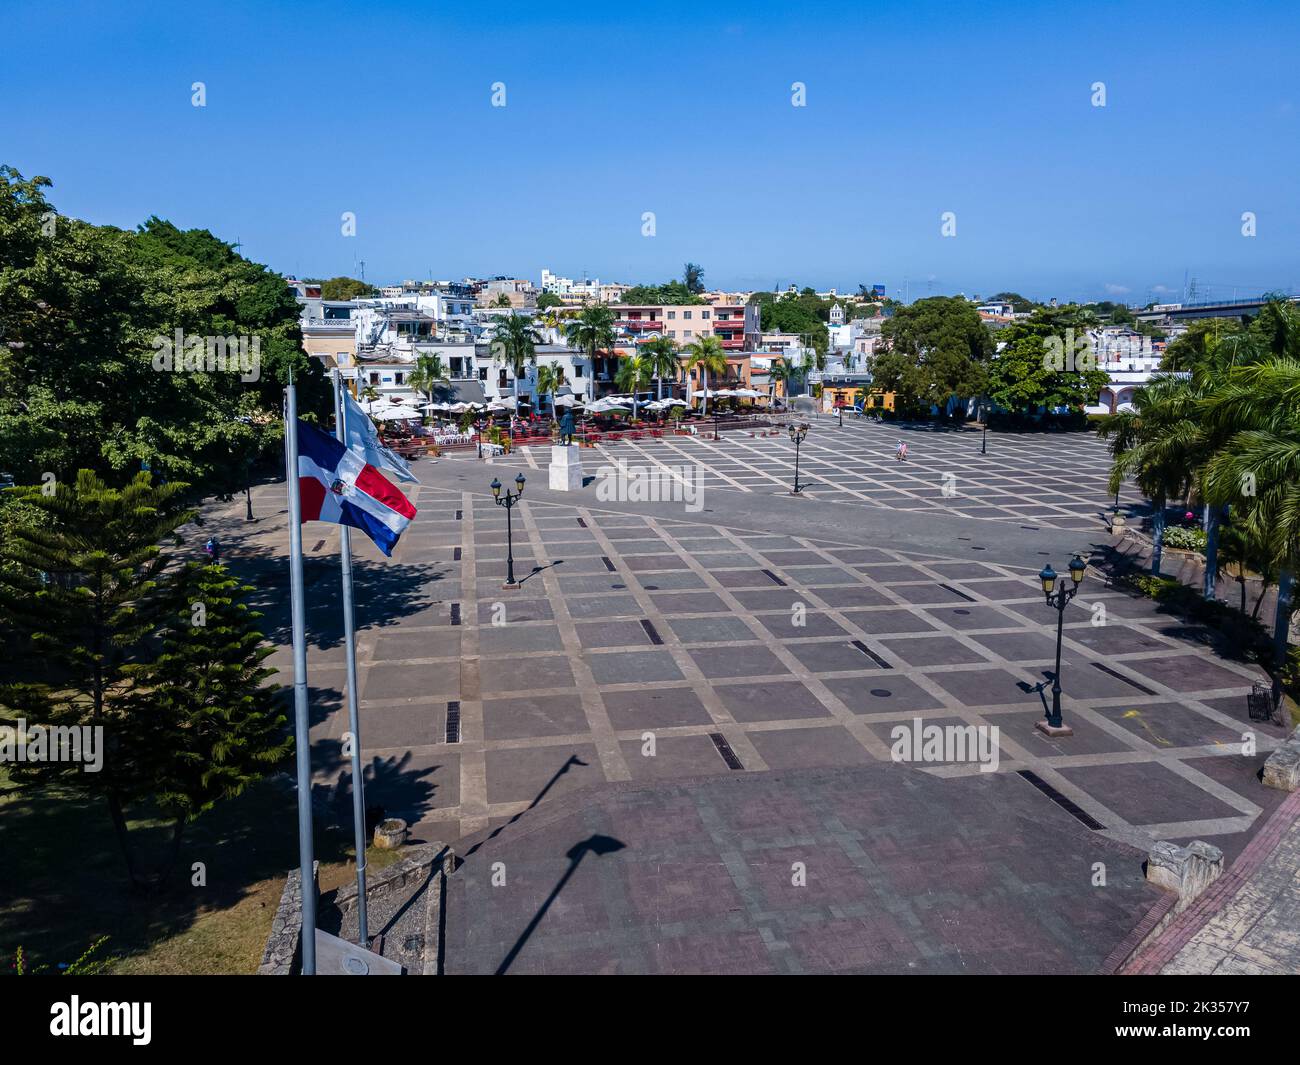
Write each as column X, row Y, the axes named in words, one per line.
column 651, row 631
column 1031, row 528
column 949, row 587
column 582, row 523
column 1120, row 676
column 774, row 577
column 608, row 564
column 459, row 515
column 724, row 749
column 455, row 613
column 453, row 721
column 455, row 555
column 871, row 654
column 1070, row 807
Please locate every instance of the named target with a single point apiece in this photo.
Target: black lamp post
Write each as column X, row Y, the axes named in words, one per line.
column 984, row 438
column 797, row 433
column 1059, row 598
column 508, row 501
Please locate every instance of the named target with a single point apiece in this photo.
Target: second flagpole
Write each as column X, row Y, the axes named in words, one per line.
column 302, row 719
column 354, row 717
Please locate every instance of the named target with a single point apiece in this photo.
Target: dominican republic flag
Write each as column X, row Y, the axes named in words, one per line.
column 337, row 485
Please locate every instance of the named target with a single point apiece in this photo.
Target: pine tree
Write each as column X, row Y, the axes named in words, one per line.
column 83, row 586
column 205, row 692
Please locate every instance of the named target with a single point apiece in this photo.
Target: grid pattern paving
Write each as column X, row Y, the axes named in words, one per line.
column 780, row 651
column 1055, row 480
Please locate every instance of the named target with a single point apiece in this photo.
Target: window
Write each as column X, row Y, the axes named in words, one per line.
column 672, row 332
column 686, row 315
column 374, row 378
column 687, row 333
column 397, row 378
column 704, row 315
column 672, row 314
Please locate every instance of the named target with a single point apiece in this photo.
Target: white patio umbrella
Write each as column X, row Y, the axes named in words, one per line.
column 395, row 414
column 567, row 401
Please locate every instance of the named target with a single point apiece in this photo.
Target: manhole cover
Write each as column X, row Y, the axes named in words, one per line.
column 881, row 693
column 962, row 612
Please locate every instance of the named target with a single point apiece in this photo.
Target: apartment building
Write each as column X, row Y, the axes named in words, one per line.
column 736, row 325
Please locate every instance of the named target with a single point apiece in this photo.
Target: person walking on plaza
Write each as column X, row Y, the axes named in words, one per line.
column 213, row 548
column 900, row 452
column 566, row 428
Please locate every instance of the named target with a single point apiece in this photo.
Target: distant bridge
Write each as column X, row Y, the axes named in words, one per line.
column 1211, row 309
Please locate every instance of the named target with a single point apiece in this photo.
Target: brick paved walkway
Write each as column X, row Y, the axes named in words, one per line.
column 1248, row 922
column 875, row 869
column 648, row 646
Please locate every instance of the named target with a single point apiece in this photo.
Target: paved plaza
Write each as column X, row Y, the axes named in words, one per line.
column 1034, row 479
column 650, row 651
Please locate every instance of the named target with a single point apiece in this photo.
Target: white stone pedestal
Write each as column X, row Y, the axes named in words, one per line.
column 566, row 468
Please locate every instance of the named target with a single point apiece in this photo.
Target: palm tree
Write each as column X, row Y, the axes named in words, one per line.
column 782, row 370
column 429, row 373
column 1257, row 472
column 549, row 379
column 661, row 360
column 707, row 353
column 515, row 343
column 1156, row 444
column 591, row 331
column 370, row 393
column 631, row 372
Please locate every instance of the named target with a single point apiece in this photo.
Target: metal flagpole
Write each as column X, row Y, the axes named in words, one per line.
column 354, row 720
column 302, row 736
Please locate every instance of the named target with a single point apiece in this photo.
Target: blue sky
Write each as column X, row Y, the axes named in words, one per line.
column 684, row 110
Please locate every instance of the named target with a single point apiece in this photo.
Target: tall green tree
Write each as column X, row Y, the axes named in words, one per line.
column 1150, row 444
column 346, row 288
column 515, row 344
column 206, row 693
column 591, row 331
column 661, row 360
column 938, row 350
column 693, row 278
column 708, row 355
column 549, row 378
column 89, row 318
column 428, row 375
column 1257, row 470
column 85, row 585
column 1046, row 363
column 782, row 371
column 631, row 372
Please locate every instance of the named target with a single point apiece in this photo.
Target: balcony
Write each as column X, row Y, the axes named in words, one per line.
column 644, row 325
column 730, row 342
column 329, row 325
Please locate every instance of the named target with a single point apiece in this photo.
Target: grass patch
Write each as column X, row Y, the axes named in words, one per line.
column 63, row 882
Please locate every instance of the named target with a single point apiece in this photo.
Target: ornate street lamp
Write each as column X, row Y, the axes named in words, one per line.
column 1058, row 598
column 508, row 501
column 797, row 433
